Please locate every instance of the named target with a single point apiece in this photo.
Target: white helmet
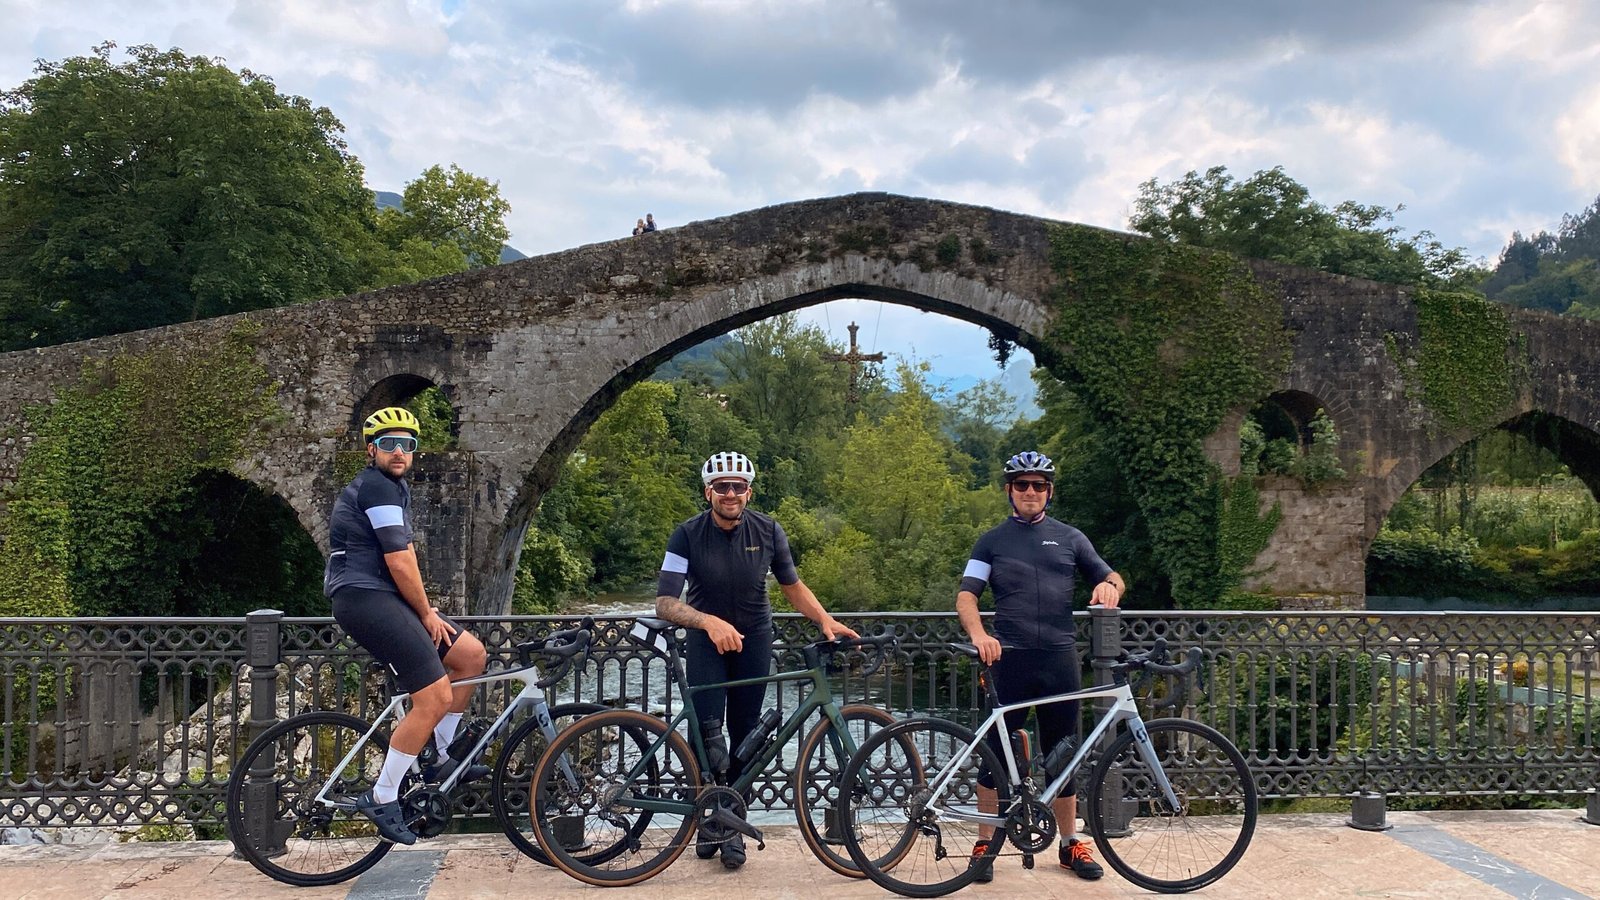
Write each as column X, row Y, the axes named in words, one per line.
column 728, row 464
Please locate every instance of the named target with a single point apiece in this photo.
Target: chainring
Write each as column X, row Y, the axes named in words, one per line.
column 712, row 799
column 1031, row 826
column 427, row 811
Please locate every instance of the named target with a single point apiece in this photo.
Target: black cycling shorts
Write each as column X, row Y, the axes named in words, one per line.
column 1021, row 675
column 388, row 628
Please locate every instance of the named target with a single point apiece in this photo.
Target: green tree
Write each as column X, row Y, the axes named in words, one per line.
column 165, row 188
column 449, row 210
column 894, row 477
column 780, row 385
column 1271, row 216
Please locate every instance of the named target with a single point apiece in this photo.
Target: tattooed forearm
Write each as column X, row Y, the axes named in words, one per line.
column 678, row 612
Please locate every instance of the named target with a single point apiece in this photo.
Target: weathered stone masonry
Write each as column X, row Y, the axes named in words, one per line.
column 530, row 353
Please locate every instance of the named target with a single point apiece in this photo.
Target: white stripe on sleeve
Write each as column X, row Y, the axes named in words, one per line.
column 386, row 516
column 977, row 568
column 675, row 563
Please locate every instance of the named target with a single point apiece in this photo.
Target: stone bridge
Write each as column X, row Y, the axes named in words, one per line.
column 530, row 353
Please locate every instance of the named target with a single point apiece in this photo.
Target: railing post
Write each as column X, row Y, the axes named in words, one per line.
column 1592, row 815
column 262, row 637
column 1105, row 647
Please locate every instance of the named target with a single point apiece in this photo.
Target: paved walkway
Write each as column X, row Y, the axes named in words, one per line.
column 1543, row 854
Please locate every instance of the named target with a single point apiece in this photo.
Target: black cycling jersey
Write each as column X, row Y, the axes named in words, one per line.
column 727, row 570
column 1031, row 568
column 371, row 517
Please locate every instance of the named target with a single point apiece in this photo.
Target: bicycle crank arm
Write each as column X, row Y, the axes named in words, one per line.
column 723, row 819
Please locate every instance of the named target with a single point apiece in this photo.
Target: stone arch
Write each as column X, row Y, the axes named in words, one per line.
column 723, row 310
column 254, row 528
column 1575, row 444
column 1288, row 414
column 399, row 389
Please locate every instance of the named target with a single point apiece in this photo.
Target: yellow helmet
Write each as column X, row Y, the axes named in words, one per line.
column 392, row 418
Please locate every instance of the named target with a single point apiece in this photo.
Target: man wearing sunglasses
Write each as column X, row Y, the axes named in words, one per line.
column 724, row 555
column 378, row 599
column 1031, row 562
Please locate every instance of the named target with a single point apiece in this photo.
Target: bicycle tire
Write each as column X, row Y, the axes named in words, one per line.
column 323, row 845
column 893, row 808
column 1177, row 850
column 816, row 782
column 600, row 750
column 519, row 755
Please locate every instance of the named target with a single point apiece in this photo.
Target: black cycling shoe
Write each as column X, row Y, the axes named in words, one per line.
column 732, row 851
column 388, row 817
column 985, row 867
column 1075, row 856
column 706, row 845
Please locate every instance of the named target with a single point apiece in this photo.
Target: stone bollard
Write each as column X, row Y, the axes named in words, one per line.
column 264, row 832
column 1367, row 812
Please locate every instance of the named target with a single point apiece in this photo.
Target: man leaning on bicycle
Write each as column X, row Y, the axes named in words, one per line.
column 1031, row 562
column 723, row 555
column 378, row 599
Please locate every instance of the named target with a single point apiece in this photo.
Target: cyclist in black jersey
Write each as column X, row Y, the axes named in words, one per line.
column 379, row 600
column 724, row 555
column 1031, row 562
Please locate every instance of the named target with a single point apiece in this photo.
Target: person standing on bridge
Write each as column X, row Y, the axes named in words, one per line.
column 379, row 600
column 724, row 555
column 1031, row 561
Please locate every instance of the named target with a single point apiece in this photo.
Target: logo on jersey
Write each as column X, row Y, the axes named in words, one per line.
column 755, row 549
column 1049, row 544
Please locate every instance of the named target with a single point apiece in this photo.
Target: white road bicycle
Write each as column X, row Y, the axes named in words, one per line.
column 291, row 797
column 1170, row 802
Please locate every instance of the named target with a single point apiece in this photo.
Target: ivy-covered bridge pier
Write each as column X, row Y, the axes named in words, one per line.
column 1170, row 345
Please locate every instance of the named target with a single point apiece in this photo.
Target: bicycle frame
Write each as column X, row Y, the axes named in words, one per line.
column 530, row 697
column 819, row 698
column 1123, row 709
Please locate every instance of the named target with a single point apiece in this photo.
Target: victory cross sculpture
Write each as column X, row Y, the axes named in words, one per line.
column 854, row 359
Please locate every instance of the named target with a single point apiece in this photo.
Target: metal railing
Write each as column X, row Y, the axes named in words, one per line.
column 124, row 722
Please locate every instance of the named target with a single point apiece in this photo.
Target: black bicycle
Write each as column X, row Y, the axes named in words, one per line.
column 644, row 788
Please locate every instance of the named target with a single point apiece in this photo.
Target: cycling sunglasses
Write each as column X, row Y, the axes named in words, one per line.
column 1024, row 485
column 389, row 443
column 729, row 487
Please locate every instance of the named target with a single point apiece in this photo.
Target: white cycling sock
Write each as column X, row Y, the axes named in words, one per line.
column 395, row 767
column 445, row 732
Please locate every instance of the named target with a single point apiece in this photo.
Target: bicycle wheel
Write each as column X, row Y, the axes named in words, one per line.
column 816, row 785
column 518, row 756
column 1148, row 842
column 897, row 832
column 584, row 798
column 323, row 843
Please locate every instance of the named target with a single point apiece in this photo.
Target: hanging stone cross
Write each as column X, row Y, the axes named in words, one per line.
column 854, row 359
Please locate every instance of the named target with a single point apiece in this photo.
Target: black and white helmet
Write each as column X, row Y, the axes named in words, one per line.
column 1030, row 462
column 728, row 464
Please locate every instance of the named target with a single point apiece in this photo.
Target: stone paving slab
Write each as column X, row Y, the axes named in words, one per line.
column 1535, row 853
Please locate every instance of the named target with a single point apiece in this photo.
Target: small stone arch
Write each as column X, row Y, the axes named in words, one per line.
column 398, row 390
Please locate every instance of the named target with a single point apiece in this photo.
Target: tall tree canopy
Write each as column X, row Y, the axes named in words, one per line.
column 452, row 209
column 168, row 187
column 165, row 188
column 1271, row 216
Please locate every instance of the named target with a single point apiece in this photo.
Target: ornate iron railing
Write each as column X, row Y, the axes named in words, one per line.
column 122, row 722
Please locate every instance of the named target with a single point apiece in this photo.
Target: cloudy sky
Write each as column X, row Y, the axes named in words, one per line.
column 1477, row 117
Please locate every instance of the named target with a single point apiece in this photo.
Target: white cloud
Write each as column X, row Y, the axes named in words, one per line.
column 403, row 26
column 1578, row 140
column 1555, row 36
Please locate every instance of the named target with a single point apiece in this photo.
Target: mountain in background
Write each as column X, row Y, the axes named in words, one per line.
column 389, row 199
column 1557, row 272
